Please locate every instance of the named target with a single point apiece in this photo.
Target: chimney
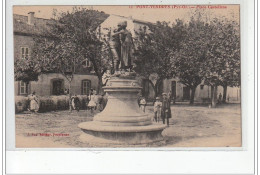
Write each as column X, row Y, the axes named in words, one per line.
column 31, row 18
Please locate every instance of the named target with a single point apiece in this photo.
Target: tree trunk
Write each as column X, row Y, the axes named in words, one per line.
column 157, row 88
column 214, row 99
column 70, row 104
column 155, row 91
column 100, row 84
column 193, row 90
column 224, row 93
column 211, row 92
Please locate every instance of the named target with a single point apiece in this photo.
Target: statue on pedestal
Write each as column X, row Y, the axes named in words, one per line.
column 121, row 122
column 121, row 44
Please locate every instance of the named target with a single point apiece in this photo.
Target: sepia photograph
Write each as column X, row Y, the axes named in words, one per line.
column 138, row 76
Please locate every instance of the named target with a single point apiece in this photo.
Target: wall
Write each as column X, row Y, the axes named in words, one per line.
column 22, row 41
column 232, row 92
column 137, row 27
column 43, row 86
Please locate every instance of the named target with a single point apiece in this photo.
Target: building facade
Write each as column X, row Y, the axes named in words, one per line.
column 55, row 84
column 25, row 27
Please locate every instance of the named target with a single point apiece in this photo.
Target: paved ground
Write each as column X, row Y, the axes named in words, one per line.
column 190, row 126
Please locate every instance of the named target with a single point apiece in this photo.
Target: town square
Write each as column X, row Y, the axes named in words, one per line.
column 99, row 76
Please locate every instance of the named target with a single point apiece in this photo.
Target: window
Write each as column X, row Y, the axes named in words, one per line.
column 201, row 87
column 25, row 52
column 23, row 90
column 87, row 63
column 86, row 85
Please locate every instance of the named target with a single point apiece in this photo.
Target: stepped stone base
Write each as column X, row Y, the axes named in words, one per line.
column 121, row 122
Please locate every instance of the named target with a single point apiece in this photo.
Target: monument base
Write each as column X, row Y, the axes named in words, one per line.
column 121, row 122
column 124, row 135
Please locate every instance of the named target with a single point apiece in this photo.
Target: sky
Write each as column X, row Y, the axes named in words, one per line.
column 147, row 13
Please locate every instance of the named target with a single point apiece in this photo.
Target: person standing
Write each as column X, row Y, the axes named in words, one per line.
column 92, row 103
column 34, row 102
column 75, row 102
column 101, row 102
column 157, row 109
column 166, row 109
column 220, row 98
column 87, row 102
column 66, row 91
column 96, row 99
column 170, row 96
column 142, row 104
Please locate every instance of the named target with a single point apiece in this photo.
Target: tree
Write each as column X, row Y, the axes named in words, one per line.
column 154, row 44
column 188, row 61
column 70, row 40
column 26, row 70
column 223, row 56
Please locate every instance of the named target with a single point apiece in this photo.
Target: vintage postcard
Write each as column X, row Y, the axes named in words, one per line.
column 127, row 76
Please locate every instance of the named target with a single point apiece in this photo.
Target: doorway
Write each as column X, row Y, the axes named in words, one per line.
column 173, row 90
column 57, row 87
column 145, row 90
column 186, row 93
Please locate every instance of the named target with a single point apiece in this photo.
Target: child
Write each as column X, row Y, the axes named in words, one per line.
column 75, row 102
column 157, row 109
column 142, row 104
column 92, row 103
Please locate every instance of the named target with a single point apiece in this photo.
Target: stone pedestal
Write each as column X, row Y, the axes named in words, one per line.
column 121, row 122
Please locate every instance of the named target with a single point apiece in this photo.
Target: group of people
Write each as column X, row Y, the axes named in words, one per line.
column 93, row 102
column 162, row 108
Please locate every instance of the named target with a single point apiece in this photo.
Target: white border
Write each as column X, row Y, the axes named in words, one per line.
column 222, row 160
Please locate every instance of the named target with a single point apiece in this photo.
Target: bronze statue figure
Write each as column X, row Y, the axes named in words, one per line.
column 121, row 44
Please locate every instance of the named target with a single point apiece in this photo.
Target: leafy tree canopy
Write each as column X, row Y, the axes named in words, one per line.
column 154, row 44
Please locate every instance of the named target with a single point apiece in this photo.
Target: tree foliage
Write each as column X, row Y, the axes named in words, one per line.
column 223, row 56
column 26, row 70
column 189, row 60
column 210, row 52
column 200, row 51
column 72, row 39
column 153, row 48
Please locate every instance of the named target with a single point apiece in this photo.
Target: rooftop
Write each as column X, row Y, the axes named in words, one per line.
column 21, row 25
column 40, row 25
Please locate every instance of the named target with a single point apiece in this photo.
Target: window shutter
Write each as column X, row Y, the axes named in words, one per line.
column 22, row 51
column 89, row 84
column 82, row 87
column 29, row 88
column 19, row 87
